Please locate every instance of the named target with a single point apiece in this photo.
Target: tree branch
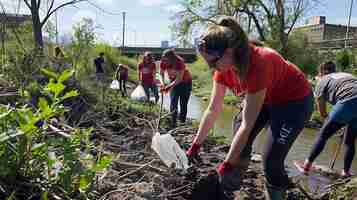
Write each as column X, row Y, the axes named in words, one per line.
column 200, row 17
column 50, row 8
column 27, row 4
column 59, row 7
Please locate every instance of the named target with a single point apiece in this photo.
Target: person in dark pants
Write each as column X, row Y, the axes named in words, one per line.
column 146, row 73
column 122, row 76
column 340, row 90
column 99, row 69
column 274, row 89
column 180, row 86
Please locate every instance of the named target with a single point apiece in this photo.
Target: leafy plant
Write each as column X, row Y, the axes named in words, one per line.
column 26, row 150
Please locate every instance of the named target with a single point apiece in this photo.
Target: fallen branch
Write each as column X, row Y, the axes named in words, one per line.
column 119, row 165
column 136, row 170
column 58, row 131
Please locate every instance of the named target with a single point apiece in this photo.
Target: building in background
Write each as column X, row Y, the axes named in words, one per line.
column 331, row 36
column 8, row 20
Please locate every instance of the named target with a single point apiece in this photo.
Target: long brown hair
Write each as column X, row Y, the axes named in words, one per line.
column 227, row 33
column 171, row 55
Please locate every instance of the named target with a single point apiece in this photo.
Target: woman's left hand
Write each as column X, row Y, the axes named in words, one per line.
column 165, row 89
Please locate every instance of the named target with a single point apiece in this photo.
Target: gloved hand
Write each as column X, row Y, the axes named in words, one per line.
column 192, row 154
column 229, row 178
column 165, row 89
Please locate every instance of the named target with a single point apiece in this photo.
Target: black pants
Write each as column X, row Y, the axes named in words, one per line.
column 286, row 122
column 154, row 90
column 122, row 87
column 180, row 92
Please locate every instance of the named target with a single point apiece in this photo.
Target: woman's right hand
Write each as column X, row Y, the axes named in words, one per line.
column 192, row 154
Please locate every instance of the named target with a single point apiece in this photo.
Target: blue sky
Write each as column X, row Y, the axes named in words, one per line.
column 148, row 21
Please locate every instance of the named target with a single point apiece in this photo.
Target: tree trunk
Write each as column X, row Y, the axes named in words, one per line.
column 281, row 26
column 37, row 27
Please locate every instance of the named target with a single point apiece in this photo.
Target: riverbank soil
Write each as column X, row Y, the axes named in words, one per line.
column 137, row 172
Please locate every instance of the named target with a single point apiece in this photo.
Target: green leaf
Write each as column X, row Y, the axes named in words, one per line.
column 103, row 162
column 66, row 74
column 5, row 114
column 70, row 94
column 4, row 136
column 49, row 73
column 55, row 88
column 44, row 196
column 45, row 109
column 85, row 181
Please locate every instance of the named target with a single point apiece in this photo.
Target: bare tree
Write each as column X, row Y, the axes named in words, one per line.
column 37, row 22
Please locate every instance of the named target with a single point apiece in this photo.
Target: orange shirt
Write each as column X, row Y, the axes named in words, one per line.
column 283, row 80
column 172, row 70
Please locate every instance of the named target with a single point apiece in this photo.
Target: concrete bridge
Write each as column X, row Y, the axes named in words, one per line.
column 189, row 54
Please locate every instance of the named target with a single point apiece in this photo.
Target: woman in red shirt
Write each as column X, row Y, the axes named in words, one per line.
column 146, row 73
column 122, row 76
column 276, row 92
column 180, row 85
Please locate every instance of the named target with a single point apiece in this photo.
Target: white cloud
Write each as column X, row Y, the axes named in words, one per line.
column 174, row 8
column 152, row 2
column 83, row 14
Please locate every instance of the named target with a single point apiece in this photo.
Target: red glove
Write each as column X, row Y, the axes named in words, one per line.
column 192, row 153
column 224, row 167
column 195, row 147
column 164, row 89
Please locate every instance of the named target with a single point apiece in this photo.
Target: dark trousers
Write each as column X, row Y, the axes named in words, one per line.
column 285, row 124
column 122, row 87
column 153, row 89
column 180, row 92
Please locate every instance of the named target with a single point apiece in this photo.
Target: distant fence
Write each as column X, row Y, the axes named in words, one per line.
column 189, row 54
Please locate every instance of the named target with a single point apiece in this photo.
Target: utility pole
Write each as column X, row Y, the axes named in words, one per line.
column 56, row 18
column 348, row 25
column 123, row 41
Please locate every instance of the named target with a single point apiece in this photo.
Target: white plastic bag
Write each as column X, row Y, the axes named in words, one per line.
column 139, row 94
column 115, row 85
column 169, row 151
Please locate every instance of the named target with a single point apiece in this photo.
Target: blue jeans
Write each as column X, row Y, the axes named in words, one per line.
column 345, row 113
column 342, row 114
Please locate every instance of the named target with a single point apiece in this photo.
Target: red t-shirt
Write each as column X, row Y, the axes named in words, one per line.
column 147, row 73
column 172, row 70
column 283, row 80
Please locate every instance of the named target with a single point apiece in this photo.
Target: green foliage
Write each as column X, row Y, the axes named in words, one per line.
column 301, row 54
column 26, row 150
column 202, row 76
column 344, row 59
